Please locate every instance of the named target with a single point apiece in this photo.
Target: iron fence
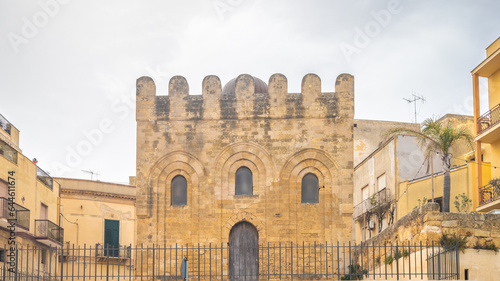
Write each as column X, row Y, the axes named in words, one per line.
column 42, row 176
column 378, row 199
column 14, row 212
column 5, row 124
column 289, row 261
column 489, row 119
column 45, row 229
column 488, row 194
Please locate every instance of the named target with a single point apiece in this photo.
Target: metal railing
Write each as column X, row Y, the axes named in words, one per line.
column 8, row 152
column 488, row 193
column 14, row 212
column 122, row 252
column 287, row 261
column 45, row 229
column 489, row 119
column 5, row 124
column 376, row 200
column 42, row 176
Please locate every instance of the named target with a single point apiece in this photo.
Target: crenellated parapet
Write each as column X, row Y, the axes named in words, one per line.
column 246, row 99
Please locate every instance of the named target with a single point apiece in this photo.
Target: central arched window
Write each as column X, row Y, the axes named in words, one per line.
column 243, row 181
column 310, row 189
column 178, row 190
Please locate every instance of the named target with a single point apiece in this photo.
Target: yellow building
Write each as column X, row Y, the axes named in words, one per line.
column 35, row 194
column 108, row 208
column 396, row 177
column 487, row 129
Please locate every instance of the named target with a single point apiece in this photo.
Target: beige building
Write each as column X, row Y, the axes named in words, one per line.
column 108, row 208
column 249, row 158
column 395, row 178
column 35, row 194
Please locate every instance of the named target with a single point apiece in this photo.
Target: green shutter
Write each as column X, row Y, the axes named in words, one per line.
column 111, row 237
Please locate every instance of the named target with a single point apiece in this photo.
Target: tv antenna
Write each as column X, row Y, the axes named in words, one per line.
column 414, row 98
column 92, row 174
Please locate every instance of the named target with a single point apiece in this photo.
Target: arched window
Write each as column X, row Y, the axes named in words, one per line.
column 178, row 190
column 243, row 181
column 310, row 189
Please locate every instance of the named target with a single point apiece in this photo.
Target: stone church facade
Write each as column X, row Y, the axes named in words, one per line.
column 250, row 155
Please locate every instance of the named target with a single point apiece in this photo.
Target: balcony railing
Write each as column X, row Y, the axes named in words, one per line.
column 42, row 176
column 378, row 199
column 8, row 152
column 5, row 125
column 489, row 119
column 45, row 229
column 14, row 212
column 488, row 194
column 122, row 252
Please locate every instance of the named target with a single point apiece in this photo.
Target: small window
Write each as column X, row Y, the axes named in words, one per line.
column 3, row 255
column 438, row 200
column 381, row 182
column 179, row 191
column 365, row 193
column 310, row 189
column 243, row 181
column 43, row 256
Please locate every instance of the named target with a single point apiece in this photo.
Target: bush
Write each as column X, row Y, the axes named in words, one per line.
column 355, row 273
column 450, row 241
column 486, row 246
column 389, row 260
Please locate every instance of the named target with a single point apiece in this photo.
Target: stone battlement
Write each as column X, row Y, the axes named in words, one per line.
column 277, row 102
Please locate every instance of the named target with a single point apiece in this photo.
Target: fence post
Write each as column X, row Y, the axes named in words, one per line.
column 397, row 260
column 457, row 252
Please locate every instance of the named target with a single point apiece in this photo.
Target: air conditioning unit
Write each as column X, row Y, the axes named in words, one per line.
column 371, row 224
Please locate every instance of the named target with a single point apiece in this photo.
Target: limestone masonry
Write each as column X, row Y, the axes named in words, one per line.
column 279, row 136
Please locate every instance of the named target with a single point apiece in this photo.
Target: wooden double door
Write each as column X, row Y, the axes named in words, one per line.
column 243, row 252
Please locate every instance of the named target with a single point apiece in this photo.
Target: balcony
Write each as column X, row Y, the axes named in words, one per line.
column 5, row 125
column 489, row 196
column 380, row 199
column 12, row 212
column 8, row 152
column 120, row 252
column 489, row 125
column 49, row 233
column 42, row 176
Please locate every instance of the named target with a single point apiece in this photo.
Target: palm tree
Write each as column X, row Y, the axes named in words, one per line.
column 438, row 137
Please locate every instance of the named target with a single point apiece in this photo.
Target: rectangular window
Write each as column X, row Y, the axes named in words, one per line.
column 438, row 200
column 3, row 255
column 4, row 189
column 365, row 193
column 44, row 212
column 8, row 152
column 111, row 237
column 43, row 256
column 381, row 182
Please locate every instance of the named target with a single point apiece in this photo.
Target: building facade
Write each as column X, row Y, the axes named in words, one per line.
column 247, row 160
column 108, row 208
column 396, row 177
column 29, row 200
column 487, row 129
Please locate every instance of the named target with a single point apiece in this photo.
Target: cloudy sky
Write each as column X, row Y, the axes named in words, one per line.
column 68, row 67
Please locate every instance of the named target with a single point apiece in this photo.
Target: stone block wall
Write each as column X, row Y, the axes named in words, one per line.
column 279, row 136
column 426, row 224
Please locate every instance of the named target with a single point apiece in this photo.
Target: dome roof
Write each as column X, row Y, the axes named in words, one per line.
column 229, row 88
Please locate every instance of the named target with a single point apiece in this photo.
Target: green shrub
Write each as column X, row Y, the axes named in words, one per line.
column 355, row 273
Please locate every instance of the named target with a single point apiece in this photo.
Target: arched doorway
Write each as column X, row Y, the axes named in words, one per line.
column 244, row 252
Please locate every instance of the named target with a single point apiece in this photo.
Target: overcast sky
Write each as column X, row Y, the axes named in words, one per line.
column 68, row 67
